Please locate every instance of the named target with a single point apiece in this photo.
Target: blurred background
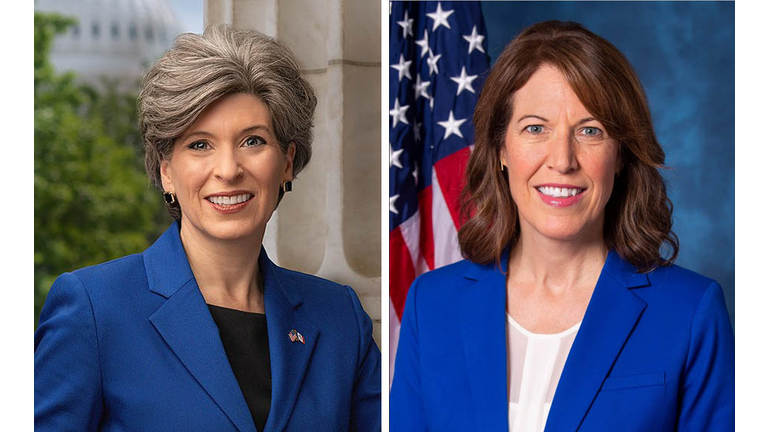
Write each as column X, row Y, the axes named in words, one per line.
column 93, row 201
column 684, row 53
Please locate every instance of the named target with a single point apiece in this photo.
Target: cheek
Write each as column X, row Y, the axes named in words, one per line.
column 602, row 170
column 522, row 165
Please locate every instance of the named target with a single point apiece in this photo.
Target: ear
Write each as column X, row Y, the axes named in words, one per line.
column 165, row 176
column 289, row 155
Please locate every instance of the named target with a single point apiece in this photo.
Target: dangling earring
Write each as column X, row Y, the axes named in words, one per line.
column 287, row 186
column 502, row 165
column 169, row 197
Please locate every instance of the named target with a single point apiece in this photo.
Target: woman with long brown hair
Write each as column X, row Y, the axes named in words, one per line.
column 568, row 313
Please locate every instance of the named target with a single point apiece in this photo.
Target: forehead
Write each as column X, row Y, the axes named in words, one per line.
column 234, row 111
column 547, row 91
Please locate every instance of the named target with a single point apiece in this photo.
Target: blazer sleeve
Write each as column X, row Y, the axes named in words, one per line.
column 365, row 413
column 708, row 394
column 406, row 412
column 68, row 393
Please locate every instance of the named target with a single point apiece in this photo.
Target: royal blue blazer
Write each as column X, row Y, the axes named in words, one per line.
column 130, row 345
column 655, row 352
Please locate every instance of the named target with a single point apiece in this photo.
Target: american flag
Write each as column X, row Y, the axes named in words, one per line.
column 438, row 60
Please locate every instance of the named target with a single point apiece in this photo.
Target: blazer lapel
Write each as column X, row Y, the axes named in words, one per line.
column 289, row 357
column 610, row 318
column 483, row 309
column 186, row 325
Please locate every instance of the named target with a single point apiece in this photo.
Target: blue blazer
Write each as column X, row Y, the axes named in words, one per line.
column 655, row 352
column 130, row 345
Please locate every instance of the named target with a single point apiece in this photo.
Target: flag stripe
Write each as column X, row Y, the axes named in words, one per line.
column 451, row 184
column 401, row 270
column 427, row 241
column 447, row 244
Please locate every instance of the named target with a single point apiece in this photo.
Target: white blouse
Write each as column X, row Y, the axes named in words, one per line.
column 534, row 365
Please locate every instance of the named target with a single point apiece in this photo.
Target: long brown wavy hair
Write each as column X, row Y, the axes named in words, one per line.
column 638, row 216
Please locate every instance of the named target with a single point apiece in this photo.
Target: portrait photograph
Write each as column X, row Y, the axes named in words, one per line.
column 207, row 242
column 562, row 216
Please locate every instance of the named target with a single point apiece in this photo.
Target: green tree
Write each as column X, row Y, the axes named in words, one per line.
column 93, row 202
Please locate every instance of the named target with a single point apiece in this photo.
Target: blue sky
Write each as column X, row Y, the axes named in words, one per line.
column 189, row 13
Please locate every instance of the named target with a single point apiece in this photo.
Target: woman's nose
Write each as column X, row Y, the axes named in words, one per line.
column 561, row 155
column 228, row 167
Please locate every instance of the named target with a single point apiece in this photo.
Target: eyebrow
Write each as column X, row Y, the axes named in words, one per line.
column 205, row 134
column 582, row 121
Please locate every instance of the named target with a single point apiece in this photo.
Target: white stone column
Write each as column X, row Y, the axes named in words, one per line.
column 330, row 224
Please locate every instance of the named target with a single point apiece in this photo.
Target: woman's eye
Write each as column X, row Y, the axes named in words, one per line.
column 592, row 132
column 254, row 141
column 198, row 145
column 535, row 129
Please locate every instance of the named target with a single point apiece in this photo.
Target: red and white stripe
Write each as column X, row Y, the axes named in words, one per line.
column 427, row 240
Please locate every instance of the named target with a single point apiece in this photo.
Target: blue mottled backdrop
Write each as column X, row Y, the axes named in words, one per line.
column 684, row 55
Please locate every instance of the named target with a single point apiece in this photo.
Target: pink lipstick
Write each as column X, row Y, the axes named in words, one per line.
column 560, row 195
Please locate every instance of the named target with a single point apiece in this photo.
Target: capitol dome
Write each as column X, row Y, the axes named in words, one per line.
column 113, row 38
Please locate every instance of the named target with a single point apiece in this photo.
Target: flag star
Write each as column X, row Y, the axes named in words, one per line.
column 440, row 17
column 402, row 68
column 464, row 81
column 421, row 88
column 392, row 200
column 416, row 174
column 475, row 40
column 394, row 157
column 424, row 44
column 398, row 113
column 432, row 62
column 407, row 25
column 452, row 126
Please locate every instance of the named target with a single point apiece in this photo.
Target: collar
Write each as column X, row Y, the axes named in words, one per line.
column 615, row 266
column 168, row 268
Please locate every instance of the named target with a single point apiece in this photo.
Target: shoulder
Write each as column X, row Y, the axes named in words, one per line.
column 106, row 286
column 114, row 276
column 321, row 296
column 120, row 268
column 450, row 279
column 680, row 285
column 310, row 285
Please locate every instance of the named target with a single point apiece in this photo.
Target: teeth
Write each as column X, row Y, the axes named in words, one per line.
column 230, row 200
column 559, row 192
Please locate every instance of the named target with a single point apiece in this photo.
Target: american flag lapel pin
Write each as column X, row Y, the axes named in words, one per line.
column 295, row 336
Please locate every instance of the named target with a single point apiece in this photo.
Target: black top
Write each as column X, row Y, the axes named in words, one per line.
column 244, row 336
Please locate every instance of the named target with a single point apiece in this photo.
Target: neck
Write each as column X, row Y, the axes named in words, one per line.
column 227, row 271
column 557, row 266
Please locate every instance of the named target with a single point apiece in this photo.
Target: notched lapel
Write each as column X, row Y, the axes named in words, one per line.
column 483, row 331
column 610, row 318
column 186, row 325
column 289, row 359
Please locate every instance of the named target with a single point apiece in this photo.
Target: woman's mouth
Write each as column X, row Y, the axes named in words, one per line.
column 557, row 192
column 560, row 196
column 231, row 203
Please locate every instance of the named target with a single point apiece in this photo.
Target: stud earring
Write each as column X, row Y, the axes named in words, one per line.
column 169, row 197
column 287, row 186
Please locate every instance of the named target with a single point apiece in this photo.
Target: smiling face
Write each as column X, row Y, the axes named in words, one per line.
column 561, row 161
column 226, row 170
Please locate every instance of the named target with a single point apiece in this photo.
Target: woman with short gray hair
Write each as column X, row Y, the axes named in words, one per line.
column 202, row 331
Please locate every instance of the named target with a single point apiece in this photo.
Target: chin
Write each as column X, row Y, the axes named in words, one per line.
column 232, row 230
column 558, row 229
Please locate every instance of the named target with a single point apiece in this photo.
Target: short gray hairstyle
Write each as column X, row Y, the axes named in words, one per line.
column 200, row 69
